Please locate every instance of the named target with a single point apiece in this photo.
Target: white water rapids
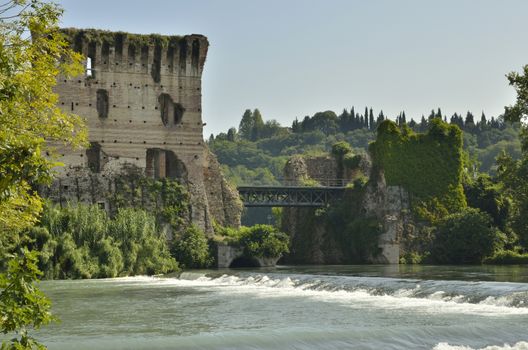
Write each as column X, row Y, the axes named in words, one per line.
column 287, row 310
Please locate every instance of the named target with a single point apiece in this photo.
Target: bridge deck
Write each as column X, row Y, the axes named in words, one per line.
column 289, row 196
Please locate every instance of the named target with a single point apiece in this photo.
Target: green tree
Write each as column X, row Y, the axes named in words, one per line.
column 245, row 128
column 31, row 123
column 231, row 134
column 258, row 125
column 466, row 237
column 514, row 173
column 339, row 151
column 485, row 194
column 22, row 305
column 191, row 248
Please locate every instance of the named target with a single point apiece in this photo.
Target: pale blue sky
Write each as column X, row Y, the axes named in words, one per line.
column 292, row 58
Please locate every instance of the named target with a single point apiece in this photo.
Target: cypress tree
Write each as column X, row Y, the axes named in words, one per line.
column 372, row 123
column 258, row 125
column 245, row 128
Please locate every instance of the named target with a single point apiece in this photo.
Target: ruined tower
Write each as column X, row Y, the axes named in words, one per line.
column 141, row 97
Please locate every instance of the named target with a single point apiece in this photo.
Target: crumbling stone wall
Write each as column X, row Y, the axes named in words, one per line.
column 141, row 97
column 311, row 242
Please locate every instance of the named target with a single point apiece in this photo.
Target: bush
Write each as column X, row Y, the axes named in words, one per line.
column 263, row 241
column 82, row 242
column 466, row 237
column 191, row 248
column 507, row 257
column 257, row 241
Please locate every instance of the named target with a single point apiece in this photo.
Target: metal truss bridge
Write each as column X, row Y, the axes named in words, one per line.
column 293, row 194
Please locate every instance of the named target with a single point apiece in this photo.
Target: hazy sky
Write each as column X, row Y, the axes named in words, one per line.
column 294, row 58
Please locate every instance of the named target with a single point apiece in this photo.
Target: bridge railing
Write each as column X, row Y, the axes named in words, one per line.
column 306, row 182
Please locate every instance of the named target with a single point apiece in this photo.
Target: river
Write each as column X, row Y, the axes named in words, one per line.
column 312, row 307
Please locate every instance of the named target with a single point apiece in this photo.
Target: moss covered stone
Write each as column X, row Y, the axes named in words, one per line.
column 428, row 165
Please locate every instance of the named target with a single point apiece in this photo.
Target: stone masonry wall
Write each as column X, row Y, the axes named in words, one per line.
column 141, row 97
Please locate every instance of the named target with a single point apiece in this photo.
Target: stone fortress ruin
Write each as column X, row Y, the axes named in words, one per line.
column 141, row 98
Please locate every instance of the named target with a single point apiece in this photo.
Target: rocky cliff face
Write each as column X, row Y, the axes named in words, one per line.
column 225, row 206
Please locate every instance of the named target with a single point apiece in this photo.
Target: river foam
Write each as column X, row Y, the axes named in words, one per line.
column 518, row 346
column 422, row 296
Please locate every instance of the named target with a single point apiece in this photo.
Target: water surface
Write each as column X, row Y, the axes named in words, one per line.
column 312, row 307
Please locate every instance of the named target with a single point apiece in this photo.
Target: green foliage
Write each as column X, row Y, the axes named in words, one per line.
column 167, row 198
column 32, row 54
column 519, row 110
column 73, row 35
column 513, row 175
column 143, row 244
column 351, row 161
column 413, row 258
column 356, row 233
column 22, row 304
column 340, row 149
column 466, row 237
column 257, row 241
column 82, row 242
column 428, row 165
column 30, row 115
column 191, row 248
column 487, row 195
column 507, row 257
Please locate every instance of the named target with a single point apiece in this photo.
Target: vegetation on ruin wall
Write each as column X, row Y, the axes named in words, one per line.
column 356, row 233
column 348, row 232
column 428, row 165
column 166, row 198
column 73, row 35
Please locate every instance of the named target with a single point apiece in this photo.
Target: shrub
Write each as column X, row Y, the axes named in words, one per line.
column 465, row 237
column 191, row 248
column 144, row 247
column 507, row 257
column 82, row 242
column 257, row 241
column 263, row 241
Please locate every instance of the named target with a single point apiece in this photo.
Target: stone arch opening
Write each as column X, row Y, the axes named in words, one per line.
column 171, row 112
column 162, row 163
column 244, row 261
